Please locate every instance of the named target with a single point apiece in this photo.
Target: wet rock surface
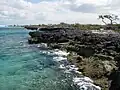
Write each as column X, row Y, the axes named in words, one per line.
column 97, row 54
column 84, row 43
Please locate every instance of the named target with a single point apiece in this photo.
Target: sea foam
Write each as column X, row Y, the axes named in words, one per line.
column 85, row 83
column 82, row 82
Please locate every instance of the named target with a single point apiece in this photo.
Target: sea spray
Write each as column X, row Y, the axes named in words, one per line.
column 85, row 83
column 82, row 82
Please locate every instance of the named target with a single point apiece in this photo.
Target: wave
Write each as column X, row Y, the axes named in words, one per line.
column 82, row 82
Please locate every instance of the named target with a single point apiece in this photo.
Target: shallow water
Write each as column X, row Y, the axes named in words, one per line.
column 25, row 67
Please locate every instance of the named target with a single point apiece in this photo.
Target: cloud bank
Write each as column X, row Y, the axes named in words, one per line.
column 55, row 11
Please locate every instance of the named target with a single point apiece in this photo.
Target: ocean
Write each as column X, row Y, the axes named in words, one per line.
column 28, row 67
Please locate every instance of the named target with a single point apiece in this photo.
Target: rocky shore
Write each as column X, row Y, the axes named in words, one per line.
column 95, row 53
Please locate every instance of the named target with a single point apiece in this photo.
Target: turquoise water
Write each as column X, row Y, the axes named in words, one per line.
column 24, row 67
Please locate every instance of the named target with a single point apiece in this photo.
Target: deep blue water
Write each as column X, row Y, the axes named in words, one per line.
column 24, row 67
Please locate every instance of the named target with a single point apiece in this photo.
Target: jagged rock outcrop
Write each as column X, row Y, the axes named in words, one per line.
column 84, row 43
column 104, row 47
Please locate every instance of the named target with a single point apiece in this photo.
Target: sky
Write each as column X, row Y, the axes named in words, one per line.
column 56, row 11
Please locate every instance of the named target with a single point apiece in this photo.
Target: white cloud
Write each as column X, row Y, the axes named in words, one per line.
column 70, row 11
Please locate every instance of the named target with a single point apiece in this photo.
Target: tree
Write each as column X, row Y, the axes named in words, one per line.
column 111, row 17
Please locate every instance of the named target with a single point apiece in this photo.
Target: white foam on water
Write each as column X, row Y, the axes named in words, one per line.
column 59, row 58
column 84, row 83
column 77, row 72
column 44, row 52
column 62, row 66
column 85, row 79
column 56, row 52
column 60, row 53
column 43, row 45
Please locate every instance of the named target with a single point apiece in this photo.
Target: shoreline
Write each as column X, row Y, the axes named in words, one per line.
column 81, row 81
column 93, row 52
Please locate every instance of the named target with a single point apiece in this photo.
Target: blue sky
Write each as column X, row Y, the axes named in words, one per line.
column 37, row 1
column 34, row 1
column 56, row 11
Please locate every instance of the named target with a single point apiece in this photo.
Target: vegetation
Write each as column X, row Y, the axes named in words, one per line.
column 108, row 26
column 113, row 18
column 65, row 25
